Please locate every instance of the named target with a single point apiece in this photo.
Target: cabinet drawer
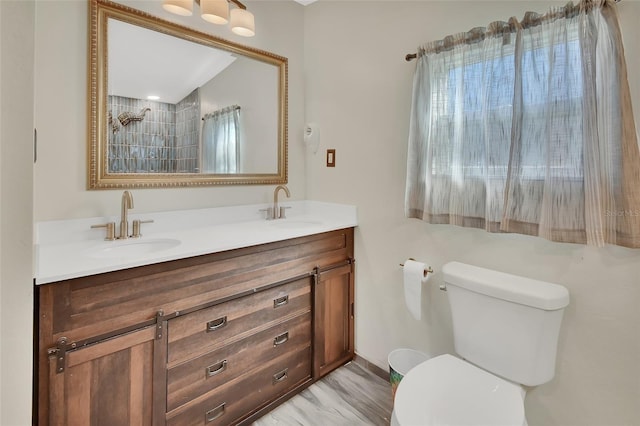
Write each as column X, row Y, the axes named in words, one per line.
column 195, row 377
column 236, row 400
column 202, row 331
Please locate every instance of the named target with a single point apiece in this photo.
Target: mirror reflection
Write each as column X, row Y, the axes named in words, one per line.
column 181, row 107
column 176, row 107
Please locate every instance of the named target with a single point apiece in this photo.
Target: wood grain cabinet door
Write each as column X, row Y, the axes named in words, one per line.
column 333, row 319
column 107, row 383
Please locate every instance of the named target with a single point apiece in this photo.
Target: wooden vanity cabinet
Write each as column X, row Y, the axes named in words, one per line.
column 217, row 339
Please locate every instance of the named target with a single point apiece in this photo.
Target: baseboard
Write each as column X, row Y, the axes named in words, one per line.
column 383, row 374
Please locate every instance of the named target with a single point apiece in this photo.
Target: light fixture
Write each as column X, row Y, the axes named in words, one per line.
column 217, row 12
column 242, row 22
column 179, row 7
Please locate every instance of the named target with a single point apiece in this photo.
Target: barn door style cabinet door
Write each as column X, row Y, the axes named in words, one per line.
column 109, row 383
column 333, row 318
column 218, row 339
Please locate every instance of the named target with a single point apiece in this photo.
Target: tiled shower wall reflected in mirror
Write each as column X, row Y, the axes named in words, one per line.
column 153, row 137
column 188, row 133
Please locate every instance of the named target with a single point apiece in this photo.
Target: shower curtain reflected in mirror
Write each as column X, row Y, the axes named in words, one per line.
column 221, row 141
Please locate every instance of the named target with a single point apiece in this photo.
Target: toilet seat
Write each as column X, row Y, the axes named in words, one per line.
column 449, row 391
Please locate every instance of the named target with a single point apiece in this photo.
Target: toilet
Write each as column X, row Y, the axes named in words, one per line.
column 505, row 330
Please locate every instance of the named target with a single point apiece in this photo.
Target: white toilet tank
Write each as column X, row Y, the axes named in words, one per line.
column 504, row 323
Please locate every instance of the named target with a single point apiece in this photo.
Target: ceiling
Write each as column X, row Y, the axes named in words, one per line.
column 159, row 64
column 148, row 69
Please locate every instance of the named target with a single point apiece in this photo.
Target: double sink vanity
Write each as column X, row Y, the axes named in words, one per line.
column 210, row 316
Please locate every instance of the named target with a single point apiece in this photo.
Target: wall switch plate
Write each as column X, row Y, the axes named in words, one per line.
column 331, row 158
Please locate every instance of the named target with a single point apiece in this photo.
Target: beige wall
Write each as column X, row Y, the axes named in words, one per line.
column 253, row 86
column 17, row 20
column 358, row 89
column 61, row 51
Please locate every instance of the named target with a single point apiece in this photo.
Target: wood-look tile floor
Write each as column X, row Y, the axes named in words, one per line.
column 350, row 395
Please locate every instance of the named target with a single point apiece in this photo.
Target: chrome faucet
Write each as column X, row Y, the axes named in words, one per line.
column 127, row 203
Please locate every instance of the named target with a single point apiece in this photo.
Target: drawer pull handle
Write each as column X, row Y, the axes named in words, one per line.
column 218, row 368
column 281, row 338
column 217, row 323
column 279, row 377
column 280, row 301
column 213, row 414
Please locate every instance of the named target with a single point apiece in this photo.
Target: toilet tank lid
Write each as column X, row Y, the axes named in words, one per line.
column 525, row 291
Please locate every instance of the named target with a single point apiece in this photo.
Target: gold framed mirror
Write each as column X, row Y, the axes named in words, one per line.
column 171, row 106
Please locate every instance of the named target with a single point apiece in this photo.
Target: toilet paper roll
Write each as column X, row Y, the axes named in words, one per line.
column 414, row 279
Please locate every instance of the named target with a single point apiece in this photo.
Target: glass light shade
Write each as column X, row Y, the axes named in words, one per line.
column 215, row 11
column 179, row 7
column 242, row 22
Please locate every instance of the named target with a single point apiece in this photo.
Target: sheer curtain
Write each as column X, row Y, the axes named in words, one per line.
column 527, row 127
column 221, row 141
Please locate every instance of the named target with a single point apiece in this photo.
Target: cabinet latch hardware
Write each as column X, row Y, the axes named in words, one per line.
column 60, row 352
column 159, row 320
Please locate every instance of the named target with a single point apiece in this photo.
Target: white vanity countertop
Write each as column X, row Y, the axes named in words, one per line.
column 71, row 248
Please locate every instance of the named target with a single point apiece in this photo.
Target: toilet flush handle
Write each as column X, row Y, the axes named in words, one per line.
column 443, row 287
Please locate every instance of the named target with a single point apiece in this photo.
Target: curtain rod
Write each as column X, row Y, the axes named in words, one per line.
column 230, row 108
column 411, row 56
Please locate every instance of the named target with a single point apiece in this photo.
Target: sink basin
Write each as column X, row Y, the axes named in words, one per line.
column 132, row 248
column 294, row 223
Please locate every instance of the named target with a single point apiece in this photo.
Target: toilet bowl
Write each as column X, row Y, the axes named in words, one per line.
column 505, row 330
column 447, row 390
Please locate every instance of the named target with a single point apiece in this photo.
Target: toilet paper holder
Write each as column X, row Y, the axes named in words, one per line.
column 428, row 270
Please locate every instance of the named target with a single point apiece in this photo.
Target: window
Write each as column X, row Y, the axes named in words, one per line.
column 520, row 128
